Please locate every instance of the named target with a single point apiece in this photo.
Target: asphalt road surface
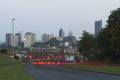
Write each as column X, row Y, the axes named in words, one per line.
column 56, row 72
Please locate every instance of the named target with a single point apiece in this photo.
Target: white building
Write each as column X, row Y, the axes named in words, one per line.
column 29, row 39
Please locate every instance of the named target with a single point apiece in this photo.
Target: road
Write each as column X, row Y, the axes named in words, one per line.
column 56, row 72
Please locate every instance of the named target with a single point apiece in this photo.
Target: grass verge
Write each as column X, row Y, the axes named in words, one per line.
column 109, row 69
column 12, row 70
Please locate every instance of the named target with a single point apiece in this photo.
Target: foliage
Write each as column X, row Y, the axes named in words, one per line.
column 4, row 45
column 86, row 45
column 38, row 44
column 4, row 51
column 77, row 58
column 50, row 43
column 109, row 38
column 16, row 57
column 53, row 42
column 106, row 45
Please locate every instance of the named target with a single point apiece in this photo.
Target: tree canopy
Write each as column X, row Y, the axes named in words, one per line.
column 86, row 45
column 109, row 37
column 106, row 45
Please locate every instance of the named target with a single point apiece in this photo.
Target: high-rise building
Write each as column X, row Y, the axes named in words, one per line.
column 9, row 39
column 98, row 26
column 18, row 39
column 50, row 36
column 29, row 39
column 46, row 37
column 70, row 33
column 61, row 33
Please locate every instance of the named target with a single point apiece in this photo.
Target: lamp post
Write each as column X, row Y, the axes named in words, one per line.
column 13, row 32
column 20, row 41
column 12, row 40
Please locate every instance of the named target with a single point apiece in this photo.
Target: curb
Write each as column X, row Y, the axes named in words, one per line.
column 96, row 71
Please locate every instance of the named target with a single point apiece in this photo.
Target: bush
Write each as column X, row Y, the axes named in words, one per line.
column 77, row 59
column 4, row 51
column 16, row 57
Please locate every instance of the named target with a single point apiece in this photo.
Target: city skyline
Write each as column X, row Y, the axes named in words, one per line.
column 20, row 37
column 28, row 39
column 49, row 16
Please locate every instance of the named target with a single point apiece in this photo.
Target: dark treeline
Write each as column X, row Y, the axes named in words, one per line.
column 106, row 45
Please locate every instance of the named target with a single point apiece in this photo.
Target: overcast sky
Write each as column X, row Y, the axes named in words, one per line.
column 48, row 16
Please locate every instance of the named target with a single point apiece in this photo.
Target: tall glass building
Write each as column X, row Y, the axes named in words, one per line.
column 61, row 33
column 98, row 26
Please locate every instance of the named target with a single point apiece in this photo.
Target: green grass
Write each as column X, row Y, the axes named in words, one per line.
column 12, row 70
column 113, row 69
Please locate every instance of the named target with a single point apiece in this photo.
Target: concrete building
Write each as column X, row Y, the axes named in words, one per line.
column 29, row 39
column 46, row 37
column 9, row 39
column 61, row 33
column 70, row 33
column 18, row 39
column 50, row 36
column 71, row 39
column 98, row 26
column 38, row 53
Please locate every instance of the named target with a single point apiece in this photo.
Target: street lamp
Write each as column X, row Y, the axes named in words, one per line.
column 12, row 39
column 20, row 41
column 13, row 31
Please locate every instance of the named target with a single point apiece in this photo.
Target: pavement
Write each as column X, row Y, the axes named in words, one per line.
column 56, row 72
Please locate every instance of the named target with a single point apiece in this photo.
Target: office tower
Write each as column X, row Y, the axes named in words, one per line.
column 9, row 39
column 18, row 39
column 46, row 37
column 29, row 39
column 98, row 26
column 61, row 33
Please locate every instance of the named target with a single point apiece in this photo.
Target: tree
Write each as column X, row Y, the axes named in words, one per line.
column 4, row 51
column 109, row 38
column 53, row 42
column 77, row 58
column 16, row 57
column 86, row 45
